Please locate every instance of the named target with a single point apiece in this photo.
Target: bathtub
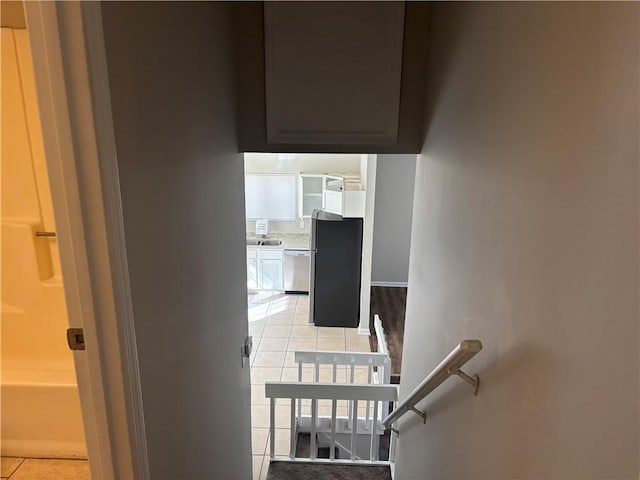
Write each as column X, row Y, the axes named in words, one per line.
column 41, row 414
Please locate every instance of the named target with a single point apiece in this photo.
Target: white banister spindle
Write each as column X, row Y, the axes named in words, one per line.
column 314, row 420
column 300, row 380
column 335, row 369
column 354, row 429
column 369, row 374
column 332, row 443
column 352, row 376
column 386, row 381
column 373, row 454
column 272, row 429
column 317, row 371
column 292, row 433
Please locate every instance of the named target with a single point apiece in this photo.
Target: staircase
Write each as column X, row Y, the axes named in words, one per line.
column 315, row 471
column 335, row 417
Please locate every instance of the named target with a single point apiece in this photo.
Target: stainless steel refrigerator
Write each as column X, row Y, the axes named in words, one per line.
column 336, row 263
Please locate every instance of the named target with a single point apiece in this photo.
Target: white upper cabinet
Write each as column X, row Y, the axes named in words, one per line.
column 333, row 72
column 310, row 190
column 339, row 194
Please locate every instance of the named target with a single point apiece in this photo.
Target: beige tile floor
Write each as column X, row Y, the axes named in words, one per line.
column 280, row 325
column 43, row 469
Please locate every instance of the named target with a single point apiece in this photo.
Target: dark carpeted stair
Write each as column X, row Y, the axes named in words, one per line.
column 314, row 471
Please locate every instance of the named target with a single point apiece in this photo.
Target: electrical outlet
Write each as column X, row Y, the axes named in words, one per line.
column 301, row 224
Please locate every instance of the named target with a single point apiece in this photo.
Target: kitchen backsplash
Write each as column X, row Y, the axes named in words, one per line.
column 282, row 227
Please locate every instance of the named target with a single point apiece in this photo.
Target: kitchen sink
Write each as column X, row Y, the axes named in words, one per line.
column 270, row 242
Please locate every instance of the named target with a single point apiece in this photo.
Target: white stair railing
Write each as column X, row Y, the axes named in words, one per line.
column 378, row 370
column 354, row 393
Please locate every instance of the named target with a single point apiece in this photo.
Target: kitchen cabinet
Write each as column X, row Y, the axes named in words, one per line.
column 265, row 269
column 252, row 269
column 346, row 203
column 331, row 193
column 341, row 196
column 306, row 44
column 327, row 77
column 310, row 193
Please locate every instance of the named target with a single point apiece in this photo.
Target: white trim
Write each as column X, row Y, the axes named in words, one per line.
column 364, row 330
column 331, row 391
column 389, row 284
column 73, row 96
column 368, row 176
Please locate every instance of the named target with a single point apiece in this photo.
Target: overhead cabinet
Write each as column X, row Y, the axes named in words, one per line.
column 343, row 197
column 339, row 194
column 333, row 72
column 328, row 77
column 311, row 194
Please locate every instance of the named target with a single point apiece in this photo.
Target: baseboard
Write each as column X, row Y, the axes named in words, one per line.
column 390, row 284
column 364, row 331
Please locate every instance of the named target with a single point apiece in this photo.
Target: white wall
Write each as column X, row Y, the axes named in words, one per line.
column 182, row 180
column 395, row 178
column 296, row 163
column 525, row 236
column 301, row 162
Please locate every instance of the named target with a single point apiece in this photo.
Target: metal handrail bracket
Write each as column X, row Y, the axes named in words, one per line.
column 460, row 355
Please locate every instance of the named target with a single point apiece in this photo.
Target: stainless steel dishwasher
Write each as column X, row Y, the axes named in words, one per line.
column 296, row 271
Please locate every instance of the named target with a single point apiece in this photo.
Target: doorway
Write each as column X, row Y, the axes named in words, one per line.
column 281, row 191
column 42, row 426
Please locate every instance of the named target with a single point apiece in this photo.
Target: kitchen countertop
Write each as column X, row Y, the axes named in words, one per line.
column 299, row 241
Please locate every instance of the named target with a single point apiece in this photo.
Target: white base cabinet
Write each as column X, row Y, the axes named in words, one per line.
column 265, row 269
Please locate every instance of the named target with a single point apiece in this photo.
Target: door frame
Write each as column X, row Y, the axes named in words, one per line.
column 70, row 69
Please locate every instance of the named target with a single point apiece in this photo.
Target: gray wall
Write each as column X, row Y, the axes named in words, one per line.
column 182, row 185
column 527, row 238
column 395, row 178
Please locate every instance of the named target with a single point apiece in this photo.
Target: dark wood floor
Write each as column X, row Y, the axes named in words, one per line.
column 390, row 304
